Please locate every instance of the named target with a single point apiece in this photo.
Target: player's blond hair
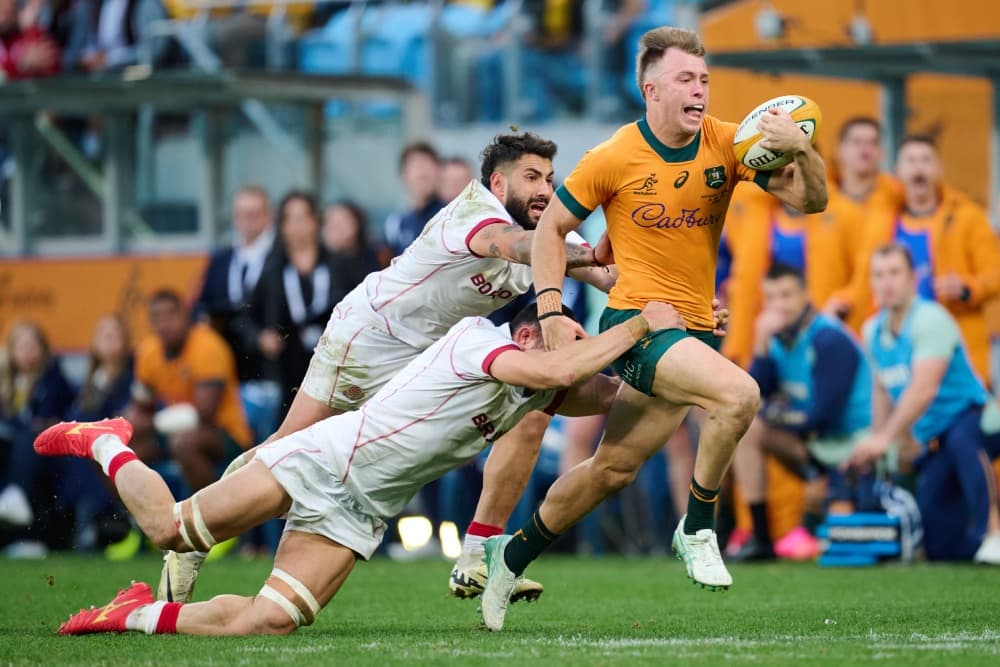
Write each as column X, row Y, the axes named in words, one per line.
column 655, row 43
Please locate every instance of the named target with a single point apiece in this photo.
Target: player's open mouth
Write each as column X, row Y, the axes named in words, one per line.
column 695, row 111
column 537, row 207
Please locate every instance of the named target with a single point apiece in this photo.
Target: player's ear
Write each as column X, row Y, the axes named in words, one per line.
column 498, row 185
column 649, row 88
column 522, row 336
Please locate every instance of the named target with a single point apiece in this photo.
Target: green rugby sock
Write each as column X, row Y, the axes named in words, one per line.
column 701, row 508
column 528, row 544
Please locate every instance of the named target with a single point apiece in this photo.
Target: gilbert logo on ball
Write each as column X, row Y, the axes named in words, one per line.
column 803, row 111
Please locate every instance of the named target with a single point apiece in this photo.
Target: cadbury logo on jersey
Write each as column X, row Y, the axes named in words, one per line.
column 654, row 215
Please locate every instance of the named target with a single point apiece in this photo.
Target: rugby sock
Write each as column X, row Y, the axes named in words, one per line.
column 758, row 512
column 111, row 453
column 475, row 537
column 159, row 618
column 527, row 544
column 701, row 508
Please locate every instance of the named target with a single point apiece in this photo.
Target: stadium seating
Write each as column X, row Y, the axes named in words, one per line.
column 397, row 40
column 392, row 41
column 658, row 13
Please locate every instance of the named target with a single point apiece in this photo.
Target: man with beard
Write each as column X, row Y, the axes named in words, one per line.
column 471, row 259
column 955, row 251
column 857, row 182
column 338, row 480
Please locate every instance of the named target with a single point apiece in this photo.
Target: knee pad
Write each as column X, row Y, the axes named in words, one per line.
column 191, row 525
column 292, row 596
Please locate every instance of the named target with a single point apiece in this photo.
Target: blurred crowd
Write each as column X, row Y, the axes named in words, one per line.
column 49, row 37
column 792, row 279
column 40, row 38
column 217, row 372
column 215, row 375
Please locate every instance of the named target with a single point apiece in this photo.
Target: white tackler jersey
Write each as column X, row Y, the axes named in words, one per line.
column 434, row 415
column 438, row 280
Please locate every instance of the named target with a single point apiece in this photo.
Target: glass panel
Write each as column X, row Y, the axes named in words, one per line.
column 65, row 169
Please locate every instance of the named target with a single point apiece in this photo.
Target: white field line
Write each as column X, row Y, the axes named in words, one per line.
column 987, row 641
column 885, row 645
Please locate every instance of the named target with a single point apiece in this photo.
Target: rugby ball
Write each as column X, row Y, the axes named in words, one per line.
column 746, row 143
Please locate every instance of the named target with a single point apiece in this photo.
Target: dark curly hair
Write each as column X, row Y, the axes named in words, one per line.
column 508, row 148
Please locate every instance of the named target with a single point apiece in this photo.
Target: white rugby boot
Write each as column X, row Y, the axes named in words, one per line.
column 180, row 572
column 701, row 556
column 500, row 584
column 468, row 579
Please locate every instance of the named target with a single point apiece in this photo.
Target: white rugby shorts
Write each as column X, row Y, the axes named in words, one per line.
column 320, row 503
column 352, row 361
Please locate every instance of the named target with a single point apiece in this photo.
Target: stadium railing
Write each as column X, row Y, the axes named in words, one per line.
column 207, row 98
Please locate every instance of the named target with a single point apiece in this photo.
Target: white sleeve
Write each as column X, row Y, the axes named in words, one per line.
column 476, row 347
column 467, row 219
column 574, row 237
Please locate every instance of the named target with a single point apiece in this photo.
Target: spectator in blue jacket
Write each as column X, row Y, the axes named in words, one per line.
column 816, row 386
column 419, row 169
column 927, row 391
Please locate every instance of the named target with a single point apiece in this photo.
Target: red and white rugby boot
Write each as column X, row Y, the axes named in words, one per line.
column 77, row 438
column 111, row 617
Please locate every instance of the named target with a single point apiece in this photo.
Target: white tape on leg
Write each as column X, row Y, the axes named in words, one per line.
column 300, row 590
column 199, row 524
column 181, row 527
column 287, row 605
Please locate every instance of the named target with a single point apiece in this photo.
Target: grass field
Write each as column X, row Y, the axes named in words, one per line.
column 594, row 612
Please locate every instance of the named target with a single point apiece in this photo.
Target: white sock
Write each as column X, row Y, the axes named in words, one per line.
column 145, row 618
column 106, row 448
column 472, row 545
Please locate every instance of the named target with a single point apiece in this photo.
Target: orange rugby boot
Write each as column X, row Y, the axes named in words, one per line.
column 111, row 617
column 77, row 438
